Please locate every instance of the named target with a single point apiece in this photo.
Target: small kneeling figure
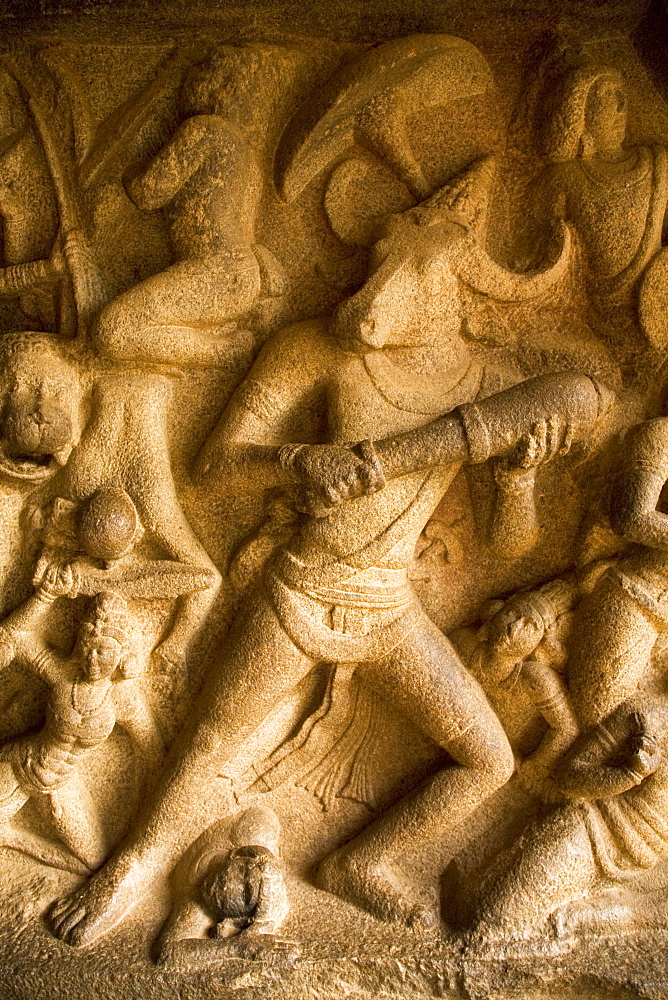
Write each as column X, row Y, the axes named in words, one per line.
column 234, row 909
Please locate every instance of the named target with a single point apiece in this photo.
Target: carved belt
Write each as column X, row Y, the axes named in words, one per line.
column 302, row 617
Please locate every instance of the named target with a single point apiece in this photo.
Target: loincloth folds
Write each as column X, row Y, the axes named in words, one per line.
column 340, row 624
column 627, row 835
column 334, row 751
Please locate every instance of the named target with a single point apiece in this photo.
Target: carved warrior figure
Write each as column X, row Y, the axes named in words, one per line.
column 90, row 692
column 615, row 826
column 111, row 435
column 233, row 886
column 614, row 194
column 47, row 156
column 338, row 591
column 521, row 650
column 620, row 622
column 208, row 180
column 191, row 314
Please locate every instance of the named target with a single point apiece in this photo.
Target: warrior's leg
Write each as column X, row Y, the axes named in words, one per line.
column 12, row 799
column 612, row 642
column 551, row 866
column 149, row 480
column 173, row 318
column 260, row 665
column 426, row 680
column 76, row 820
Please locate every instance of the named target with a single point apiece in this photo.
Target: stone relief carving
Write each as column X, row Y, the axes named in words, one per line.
column 333, row 573
column 243, row 890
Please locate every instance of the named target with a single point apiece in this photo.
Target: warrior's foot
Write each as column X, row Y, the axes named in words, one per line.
column 259, row 947
column 94, row 908
column 581, row 918
column 378, row 888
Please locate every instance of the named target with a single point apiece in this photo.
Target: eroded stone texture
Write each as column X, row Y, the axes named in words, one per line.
column 333, row 455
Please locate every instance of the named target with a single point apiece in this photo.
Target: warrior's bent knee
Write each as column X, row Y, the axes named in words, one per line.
column 484, row 747
column 109, row 333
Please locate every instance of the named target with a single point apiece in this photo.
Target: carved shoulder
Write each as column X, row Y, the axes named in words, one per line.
column 648, row 443
column 192, row 143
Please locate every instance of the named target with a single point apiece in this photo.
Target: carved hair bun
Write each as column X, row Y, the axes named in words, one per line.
column 108, row 523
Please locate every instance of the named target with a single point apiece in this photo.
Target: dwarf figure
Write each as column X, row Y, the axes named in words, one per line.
column 232, row 902
column 98, row 538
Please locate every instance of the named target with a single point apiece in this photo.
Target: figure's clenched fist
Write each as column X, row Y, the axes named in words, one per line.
column 57, row 580
column 333, row 473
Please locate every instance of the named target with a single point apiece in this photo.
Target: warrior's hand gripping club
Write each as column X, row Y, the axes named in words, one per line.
column 491, row 427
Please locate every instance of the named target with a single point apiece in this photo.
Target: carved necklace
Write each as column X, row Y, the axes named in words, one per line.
column 634, row 176
column 424, row 394
column 87, row 711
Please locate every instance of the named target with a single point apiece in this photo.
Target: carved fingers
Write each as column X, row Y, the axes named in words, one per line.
column 642, row 752
column 371, row 474
column 57, row 580
column 547, row 439
column 332, row 474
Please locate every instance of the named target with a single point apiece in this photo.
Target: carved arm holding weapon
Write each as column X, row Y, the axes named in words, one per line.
column 472, row 433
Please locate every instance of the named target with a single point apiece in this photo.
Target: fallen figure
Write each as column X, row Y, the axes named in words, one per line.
column 229, row 902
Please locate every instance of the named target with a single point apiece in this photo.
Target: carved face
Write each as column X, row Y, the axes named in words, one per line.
column 360, row 328
column 40, row 416
column 417, row 306
column 515, row 630
column 100, row 656
column 606, row 113
column 35, row 424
